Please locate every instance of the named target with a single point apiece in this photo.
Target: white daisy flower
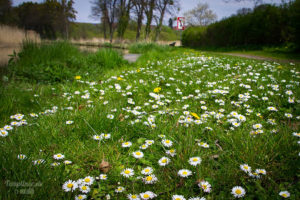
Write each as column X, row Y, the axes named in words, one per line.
column 164, row 161
column 88, row 180
column 110, row 116
column 70, row 186
column 285, row 194
column 167, row 143
column 150, row 179
column 238, row 192
column 197, row 198
column 55, row 164
column 3, row 133
column 178, row 197
column 171, row 152
column 21, row 156
column 38, row 162
column 261, row 171
column 133, row 197
column 147, row 171
column 103, row 176
column 205, row 186
column 69, row 122
column 195, row 161
column 127, row 172
column 138, row 154
column 80, row 197
column 126, row 144
column 67, row 162
column 58, row 156
column 147, row 195
column 97, row 137
column 184, row 173
column 84, row 188
column 246, row 168
column 119, row 189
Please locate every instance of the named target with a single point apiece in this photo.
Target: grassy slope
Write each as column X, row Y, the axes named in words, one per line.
column 48, row 134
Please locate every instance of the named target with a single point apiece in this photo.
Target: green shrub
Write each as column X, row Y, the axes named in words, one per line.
column 145, row 47
column 59, row 61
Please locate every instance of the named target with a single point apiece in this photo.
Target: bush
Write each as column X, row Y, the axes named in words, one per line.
column 59, row 61
column 266, row 25
column 146, row 47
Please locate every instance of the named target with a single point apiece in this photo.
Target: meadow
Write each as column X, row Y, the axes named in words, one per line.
column 177, row 124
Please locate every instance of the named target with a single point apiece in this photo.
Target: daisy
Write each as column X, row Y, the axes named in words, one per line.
column 144, row 146
column 284, row 194
column 246, row 168
column 184, row 173
column 67, row 162
column 195, row 161
column 3, row 133
column 97, row 137
column 171, row 152
column 80, row 197
column 167, row 143
column 127, row 172
column 197, row 198
column 147, row 195
column 238, row 192
column 8, row 127
column 203, row 144
column 126, row 144
column 149, row 142
column 58, row 156
column 164, row 161
column 119, row 189
column 138, row 154
column 55, row 164
column 21, row 156
column 205, row 186
column 38, row 162
column 271, row 108
column 88, row 180
column 69, row 186
column 150, row 179
column 69, row 122
column 133, row 197
column 257, row 126
column 147, row 171
column 261, row 171
column 110, row 116
column 178, row 197
column 84, row 189
column 103, row 176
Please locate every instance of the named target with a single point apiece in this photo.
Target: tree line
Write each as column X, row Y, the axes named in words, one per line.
column 52, row 18
column 114, row 15
column 265, row 25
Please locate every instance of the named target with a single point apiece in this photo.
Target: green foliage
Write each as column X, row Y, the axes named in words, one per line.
column 59, row 62
column 145, row 47
column 266, row 25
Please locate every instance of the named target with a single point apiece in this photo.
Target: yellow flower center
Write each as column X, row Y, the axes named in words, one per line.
column 167, row 141
column 184, row 173
column 84, row 187
column 238, row 191
column 133, row 196
column 69, row 185
column 147, row 170
column 284, row 195
column 138, row 153
column 146, row 196
column 87, row 180
column 149, row 178
column 164, row 161
column 195, row 159
column 127, row 172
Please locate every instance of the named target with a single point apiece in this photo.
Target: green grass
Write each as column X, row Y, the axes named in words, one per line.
column 146, row 47
column 189, row 80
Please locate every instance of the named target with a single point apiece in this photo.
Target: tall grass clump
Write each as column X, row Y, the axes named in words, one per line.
column 58, row 62
column 146, row 47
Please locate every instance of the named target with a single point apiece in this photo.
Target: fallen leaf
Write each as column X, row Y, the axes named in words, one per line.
column 104, row 166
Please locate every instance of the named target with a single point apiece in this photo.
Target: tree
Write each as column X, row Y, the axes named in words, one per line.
column 5, row 11
column 98, row 11
column 163, row 7
column 200, row 16
column 149, row 8
column 67, row 13
column 108, row 10
column 139, row 10
column 124, row 15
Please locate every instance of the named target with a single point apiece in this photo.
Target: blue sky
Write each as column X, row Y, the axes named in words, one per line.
column 222, row 9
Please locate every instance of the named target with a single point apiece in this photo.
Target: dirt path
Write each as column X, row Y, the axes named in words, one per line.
column 131, row 57
column 261, row 58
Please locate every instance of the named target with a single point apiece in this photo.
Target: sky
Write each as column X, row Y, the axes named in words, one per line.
column 220, row 7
